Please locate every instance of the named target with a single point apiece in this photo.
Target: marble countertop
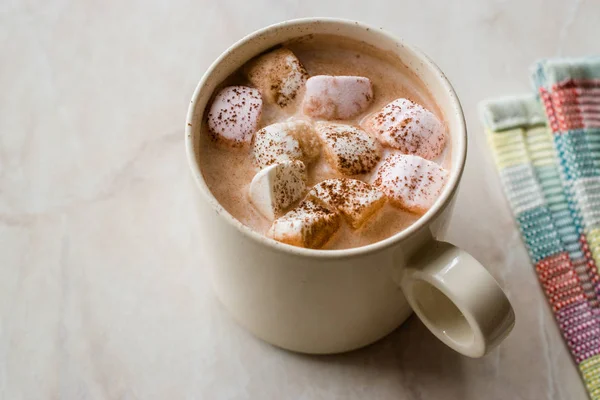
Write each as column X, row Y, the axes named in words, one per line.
column 103, row 294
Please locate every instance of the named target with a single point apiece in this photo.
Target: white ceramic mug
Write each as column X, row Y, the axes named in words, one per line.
column 329, row 301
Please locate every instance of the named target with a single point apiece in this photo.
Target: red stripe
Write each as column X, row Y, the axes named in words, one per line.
column 579, row 83
column 559, row 281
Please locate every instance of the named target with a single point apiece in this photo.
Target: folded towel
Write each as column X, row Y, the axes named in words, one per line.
column 525, row 154
column 570, row 92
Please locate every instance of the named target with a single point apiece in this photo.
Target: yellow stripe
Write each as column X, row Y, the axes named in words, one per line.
column 500, row 141
column 590, row 370
column 519, row 146
column 593, row 238
column 509, row 147
column 539, row 145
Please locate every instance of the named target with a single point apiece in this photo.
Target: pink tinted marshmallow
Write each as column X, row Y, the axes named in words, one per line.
column 337, row 97
column 408, row 127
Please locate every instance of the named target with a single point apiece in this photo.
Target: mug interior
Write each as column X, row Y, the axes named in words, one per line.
column 417, row 62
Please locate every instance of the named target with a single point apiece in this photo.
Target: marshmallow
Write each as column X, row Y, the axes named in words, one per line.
column 278, row 75
column 337, row 97
column 411, row 182
column 277, row 187
column 350, row 150
column 309, row 225
column 285, row 141
column 408, row 127
column 234, row 115
column 356, row 200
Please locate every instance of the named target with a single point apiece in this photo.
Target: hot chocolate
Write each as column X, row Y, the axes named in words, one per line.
column 324, row 143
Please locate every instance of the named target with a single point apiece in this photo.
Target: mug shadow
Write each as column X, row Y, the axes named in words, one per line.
column 410, row 359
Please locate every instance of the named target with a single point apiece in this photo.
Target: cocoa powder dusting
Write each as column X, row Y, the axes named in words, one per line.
column 228, row 173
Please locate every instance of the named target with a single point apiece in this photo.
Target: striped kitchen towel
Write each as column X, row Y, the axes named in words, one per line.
column 524, row 149
column 570, row 93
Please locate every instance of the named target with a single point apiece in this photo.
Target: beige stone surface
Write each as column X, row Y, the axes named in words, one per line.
column 103, row 292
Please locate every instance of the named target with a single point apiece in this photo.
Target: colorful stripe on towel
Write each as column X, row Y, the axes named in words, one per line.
column 524, row 151
column 570, row 93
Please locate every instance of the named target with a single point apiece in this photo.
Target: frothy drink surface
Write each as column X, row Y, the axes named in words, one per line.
column 228, row 172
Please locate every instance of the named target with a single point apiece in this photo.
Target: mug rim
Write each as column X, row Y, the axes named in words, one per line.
column 439, row 205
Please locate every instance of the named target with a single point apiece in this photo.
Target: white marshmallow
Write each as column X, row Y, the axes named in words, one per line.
column 337, row 97
column 278, row 75
column 309, row 225
column 356, row 200
column 285, row 141
column 350, row 150
column 277, row 187
column 411, row 182
column 408, row 127
column 234, row 115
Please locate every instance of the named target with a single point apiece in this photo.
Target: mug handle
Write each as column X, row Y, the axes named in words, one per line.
column 457, row 299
